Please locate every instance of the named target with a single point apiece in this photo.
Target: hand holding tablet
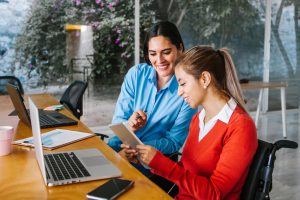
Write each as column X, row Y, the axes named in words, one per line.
column 127, row 136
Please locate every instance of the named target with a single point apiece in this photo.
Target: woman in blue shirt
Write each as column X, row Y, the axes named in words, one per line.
column 148, row 100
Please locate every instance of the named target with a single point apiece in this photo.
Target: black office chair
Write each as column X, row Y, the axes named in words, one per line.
column 12, row 80
column 258, row 184
column 72, row 97
column 101, row 135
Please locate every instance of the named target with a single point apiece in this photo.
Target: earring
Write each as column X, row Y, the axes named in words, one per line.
column 204, row 86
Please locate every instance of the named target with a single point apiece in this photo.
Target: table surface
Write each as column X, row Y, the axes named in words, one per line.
column 261, row 85
column 20, row 176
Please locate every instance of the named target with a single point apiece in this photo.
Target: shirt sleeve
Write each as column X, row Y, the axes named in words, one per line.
column 175, row 137
column 124, row 105
column 235, row 159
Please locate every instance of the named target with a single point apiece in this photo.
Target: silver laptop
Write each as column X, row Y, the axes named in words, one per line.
column 61, row 168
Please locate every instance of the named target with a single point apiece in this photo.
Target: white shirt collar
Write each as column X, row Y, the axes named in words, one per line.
column 224, row 116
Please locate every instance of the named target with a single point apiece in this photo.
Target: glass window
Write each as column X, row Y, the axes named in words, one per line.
column 239, row 26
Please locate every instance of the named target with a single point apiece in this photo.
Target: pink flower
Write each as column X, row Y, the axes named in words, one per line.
column 98, row 1
column 110, row 6
column 77, row 2
column 117, row 41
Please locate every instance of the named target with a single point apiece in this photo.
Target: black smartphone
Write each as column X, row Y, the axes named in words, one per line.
column 111, row 189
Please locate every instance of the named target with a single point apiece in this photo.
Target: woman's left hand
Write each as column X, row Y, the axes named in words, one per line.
column 146, row 153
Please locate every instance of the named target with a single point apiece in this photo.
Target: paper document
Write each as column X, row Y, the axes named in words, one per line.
column 56, row 138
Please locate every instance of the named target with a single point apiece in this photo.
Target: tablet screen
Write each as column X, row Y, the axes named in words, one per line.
column 125, row 134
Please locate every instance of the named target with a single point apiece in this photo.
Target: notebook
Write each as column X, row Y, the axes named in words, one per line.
column 70, row 166
column 56, row 138
column 47, row 118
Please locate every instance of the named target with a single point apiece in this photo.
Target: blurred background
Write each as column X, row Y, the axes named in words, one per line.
column 50, row 43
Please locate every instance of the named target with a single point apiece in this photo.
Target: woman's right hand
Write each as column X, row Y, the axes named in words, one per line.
column 128, row 153
column 137, row 120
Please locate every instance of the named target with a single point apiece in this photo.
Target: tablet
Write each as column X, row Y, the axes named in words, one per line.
column 126, row 135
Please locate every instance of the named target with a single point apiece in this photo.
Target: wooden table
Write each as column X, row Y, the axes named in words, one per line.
column 269, row 85
column 20, row 177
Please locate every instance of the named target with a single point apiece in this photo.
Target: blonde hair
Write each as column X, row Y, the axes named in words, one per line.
column 219, row 64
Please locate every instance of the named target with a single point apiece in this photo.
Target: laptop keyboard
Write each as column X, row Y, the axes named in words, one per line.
column 46, row 120
column 65, row 166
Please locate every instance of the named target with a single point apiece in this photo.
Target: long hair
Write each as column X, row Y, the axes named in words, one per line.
column 166, row 29
column 219, row 64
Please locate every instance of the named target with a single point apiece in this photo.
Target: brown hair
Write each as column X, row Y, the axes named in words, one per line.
column 166, row 29
column 219, row 64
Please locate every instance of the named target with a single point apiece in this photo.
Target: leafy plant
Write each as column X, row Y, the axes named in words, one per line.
column 42, row 43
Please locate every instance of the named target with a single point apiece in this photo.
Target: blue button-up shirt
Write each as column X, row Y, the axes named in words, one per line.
column 168, row 115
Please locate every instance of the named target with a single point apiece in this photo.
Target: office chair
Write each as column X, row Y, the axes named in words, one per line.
column 12, row 80
column 258, row 183
column 72, row 97
column 101, row 135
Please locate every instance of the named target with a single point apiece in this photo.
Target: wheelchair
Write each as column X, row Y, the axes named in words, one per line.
column 258, row 184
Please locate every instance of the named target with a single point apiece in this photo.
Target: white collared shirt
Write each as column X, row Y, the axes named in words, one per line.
column 224, row 115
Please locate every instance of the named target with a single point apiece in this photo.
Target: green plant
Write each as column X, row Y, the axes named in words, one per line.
column 113, row 30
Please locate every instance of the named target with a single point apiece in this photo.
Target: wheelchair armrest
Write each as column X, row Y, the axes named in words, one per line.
column 174, row 156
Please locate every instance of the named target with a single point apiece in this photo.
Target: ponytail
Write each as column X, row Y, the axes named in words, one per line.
column 232, row 82
column 218, row 63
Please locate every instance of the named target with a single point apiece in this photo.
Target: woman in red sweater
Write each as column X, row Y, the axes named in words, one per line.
column 222, row 137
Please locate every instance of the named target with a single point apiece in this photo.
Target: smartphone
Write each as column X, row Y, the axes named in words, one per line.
column 111, row 189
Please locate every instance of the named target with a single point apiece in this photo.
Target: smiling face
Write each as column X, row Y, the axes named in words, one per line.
column 192, row 90
column 162, row 55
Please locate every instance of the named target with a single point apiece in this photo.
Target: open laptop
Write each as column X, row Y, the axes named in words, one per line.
column 70, row 166
column 47, row 118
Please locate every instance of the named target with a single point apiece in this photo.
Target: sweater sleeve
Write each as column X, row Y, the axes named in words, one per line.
column 239, row 147
column 175, row 137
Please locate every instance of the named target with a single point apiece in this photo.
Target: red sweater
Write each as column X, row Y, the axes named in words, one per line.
column 217, row 166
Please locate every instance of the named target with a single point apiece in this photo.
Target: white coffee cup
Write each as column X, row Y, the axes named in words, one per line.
column 6, row 137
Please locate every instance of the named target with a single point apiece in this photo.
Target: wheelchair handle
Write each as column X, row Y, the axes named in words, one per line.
column 278, row 145
column 285, row 144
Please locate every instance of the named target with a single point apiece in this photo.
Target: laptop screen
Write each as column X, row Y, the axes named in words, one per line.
column 18, row 102
column 35, row 122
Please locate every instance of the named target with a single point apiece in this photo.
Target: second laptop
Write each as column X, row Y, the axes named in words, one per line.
column 47, row 118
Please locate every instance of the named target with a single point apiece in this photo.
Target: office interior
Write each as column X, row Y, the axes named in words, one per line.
column 48, row 45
